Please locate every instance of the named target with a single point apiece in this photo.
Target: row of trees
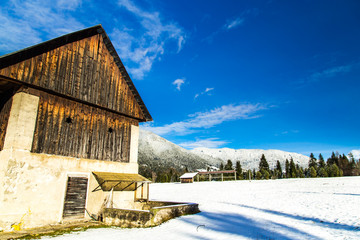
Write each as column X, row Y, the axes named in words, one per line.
column 337, row 165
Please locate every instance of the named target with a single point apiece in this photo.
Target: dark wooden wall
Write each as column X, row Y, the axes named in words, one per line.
column 4, row 117
column 68, row 128
column 84, row 70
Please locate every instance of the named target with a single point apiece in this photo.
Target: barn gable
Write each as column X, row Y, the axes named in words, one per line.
column 82, row 66
column 68, row 108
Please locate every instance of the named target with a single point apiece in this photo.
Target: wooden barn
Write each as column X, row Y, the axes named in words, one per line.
column 69, row 117
column 188, row 177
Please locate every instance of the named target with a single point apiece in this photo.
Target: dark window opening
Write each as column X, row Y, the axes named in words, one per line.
column 110, row 130
column 68, row 120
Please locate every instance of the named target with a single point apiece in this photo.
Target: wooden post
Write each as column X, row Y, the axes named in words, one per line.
column 210, row 177
column 147, row 199
column 222, row 177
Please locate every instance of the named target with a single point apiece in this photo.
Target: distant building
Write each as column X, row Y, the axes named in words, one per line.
column 69, row 116
column 208, row 175
column 188, row 177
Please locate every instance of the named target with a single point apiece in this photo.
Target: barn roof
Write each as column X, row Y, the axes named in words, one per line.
column 188, row 175
column 27, row 53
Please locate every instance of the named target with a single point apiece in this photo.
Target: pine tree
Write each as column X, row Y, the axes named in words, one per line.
column 312, row 161
column 352, row 164
column 334, row 159
column 287, row 168
column 278, row 170
column 238, row 170
column 221, row 166
column 344, row 165
column 321, row 163
column 293, row 172
column 265, row 174
column 301, row 173
column 312, row 172
column 322, row 172
column 258, row 175
column 278, row 166
column 334, row 171
column 263, row 165
column 229, row 165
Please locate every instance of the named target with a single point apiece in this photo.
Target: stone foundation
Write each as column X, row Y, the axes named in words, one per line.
column 153, row 214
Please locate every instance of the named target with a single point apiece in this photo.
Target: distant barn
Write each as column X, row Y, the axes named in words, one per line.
column 69, row 116
column 188, row 177
column 209, row 175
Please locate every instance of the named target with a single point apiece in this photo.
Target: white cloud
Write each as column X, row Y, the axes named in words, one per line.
column 331, row 72
column 68, row 4
column 287, row 132
column 209, row 119
column 34, row 21
column 207, row 143
column 141, row 48
column 206, row 91
column 356, row 154
column 27, row 22
column 233, row 23
column 178, row 83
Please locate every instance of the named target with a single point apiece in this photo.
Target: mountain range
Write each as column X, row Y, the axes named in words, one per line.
column 159, row 154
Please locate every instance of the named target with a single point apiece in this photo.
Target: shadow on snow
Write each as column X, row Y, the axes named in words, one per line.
column 242, row 226
column 318, row 221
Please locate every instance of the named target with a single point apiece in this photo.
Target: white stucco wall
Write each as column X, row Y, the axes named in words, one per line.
column 33, row 186
column 134, row 143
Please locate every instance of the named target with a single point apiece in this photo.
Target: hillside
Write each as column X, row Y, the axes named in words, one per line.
column 250, row 158
column 157, row 154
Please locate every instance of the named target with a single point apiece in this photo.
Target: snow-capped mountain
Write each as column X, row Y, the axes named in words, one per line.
column 250, row 158
column 156, row 152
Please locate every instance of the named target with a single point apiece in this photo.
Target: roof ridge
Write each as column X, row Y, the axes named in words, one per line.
column 35, row 50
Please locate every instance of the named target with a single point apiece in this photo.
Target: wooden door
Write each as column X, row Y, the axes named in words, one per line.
column 75, row 199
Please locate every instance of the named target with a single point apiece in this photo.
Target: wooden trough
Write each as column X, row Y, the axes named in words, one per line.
column 153, row 213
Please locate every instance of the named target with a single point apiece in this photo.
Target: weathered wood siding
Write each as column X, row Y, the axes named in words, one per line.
column 84, row 70
column 4, row 118
column 69, row 128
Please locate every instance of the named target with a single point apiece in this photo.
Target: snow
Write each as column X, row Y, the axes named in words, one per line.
column 319, row 208
column 189, row 175
column 152, row 146
column 250, row 158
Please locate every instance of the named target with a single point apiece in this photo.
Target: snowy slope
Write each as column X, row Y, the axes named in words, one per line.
column 250, row 158
column 283, row 209
column 155, row 151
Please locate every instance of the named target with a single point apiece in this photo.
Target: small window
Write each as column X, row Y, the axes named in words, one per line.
column 68, row 120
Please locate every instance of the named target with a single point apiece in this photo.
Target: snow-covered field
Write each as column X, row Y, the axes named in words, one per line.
column 321, row 208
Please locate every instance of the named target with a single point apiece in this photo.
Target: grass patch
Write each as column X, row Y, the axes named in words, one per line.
column 53, row 232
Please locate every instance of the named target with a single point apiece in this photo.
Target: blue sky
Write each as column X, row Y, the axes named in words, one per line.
column 239, row 74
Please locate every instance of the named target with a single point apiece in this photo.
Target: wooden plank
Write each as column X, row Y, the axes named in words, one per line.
column 4, row 118
column 75, row 199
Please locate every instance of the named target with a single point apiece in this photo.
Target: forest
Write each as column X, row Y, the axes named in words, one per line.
column 336, row 165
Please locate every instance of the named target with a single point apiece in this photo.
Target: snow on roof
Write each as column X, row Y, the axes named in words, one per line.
column 189, row 175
